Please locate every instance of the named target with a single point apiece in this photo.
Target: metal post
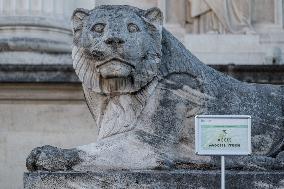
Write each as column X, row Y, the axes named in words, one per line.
column 222, row 172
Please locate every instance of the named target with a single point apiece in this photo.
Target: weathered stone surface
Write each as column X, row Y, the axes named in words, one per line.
column 52, row 158
column 153, row 179
column 144, row 88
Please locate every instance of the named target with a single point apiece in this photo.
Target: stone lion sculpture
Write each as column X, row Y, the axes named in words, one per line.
column 144, row 88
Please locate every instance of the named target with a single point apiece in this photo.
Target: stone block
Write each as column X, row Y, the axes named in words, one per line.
column 153, row 179
column 237, row 49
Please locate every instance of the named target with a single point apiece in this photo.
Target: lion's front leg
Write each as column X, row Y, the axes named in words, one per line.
column 49, row 158
column 122, row 151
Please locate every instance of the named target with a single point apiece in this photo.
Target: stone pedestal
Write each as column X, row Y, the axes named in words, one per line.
column 262, row 44
column 240, row 49
column 153, row 179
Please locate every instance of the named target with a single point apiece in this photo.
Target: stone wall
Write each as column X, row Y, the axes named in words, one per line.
column 37, row 114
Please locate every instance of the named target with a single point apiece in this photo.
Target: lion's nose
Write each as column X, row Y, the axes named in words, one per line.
column 114, row 41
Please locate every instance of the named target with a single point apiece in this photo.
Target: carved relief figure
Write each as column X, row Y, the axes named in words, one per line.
column 220, row 16
column 144, row 88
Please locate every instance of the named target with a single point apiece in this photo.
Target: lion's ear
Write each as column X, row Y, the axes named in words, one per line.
column 77, row 22
column 154, row 16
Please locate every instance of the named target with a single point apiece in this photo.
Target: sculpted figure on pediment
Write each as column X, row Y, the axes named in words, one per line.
column 220, row 16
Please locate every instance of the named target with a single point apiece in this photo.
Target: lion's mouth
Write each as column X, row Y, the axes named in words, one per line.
column 115, row 68
column 116, row 60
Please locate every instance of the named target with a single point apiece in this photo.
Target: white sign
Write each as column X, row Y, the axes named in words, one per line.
column 222, row 134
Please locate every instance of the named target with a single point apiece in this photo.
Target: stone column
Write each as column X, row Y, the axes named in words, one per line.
column 37, row 31
column 143, row 4
column 174, row 13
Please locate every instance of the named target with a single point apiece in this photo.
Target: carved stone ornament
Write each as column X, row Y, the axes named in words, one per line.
column 144, row 88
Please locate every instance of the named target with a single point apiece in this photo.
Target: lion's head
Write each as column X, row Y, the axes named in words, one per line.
column 116, row 50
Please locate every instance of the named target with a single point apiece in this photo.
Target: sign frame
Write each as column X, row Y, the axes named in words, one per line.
column 200, row 151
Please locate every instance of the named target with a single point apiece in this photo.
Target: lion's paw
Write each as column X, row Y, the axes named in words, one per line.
column 49, row 158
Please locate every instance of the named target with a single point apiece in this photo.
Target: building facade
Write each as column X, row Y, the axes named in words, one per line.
column 41, row 101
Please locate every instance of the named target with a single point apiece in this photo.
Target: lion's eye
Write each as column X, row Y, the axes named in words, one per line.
column 132, row 28
column 99, row 28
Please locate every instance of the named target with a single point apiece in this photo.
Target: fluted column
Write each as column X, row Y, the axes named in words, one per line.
column 29, row 28
column 143, row 4
column 174, row 14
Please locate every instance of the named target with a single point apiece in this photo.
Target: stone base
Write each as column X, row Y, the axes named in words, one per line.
column 240, row 49
column 153, row 179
